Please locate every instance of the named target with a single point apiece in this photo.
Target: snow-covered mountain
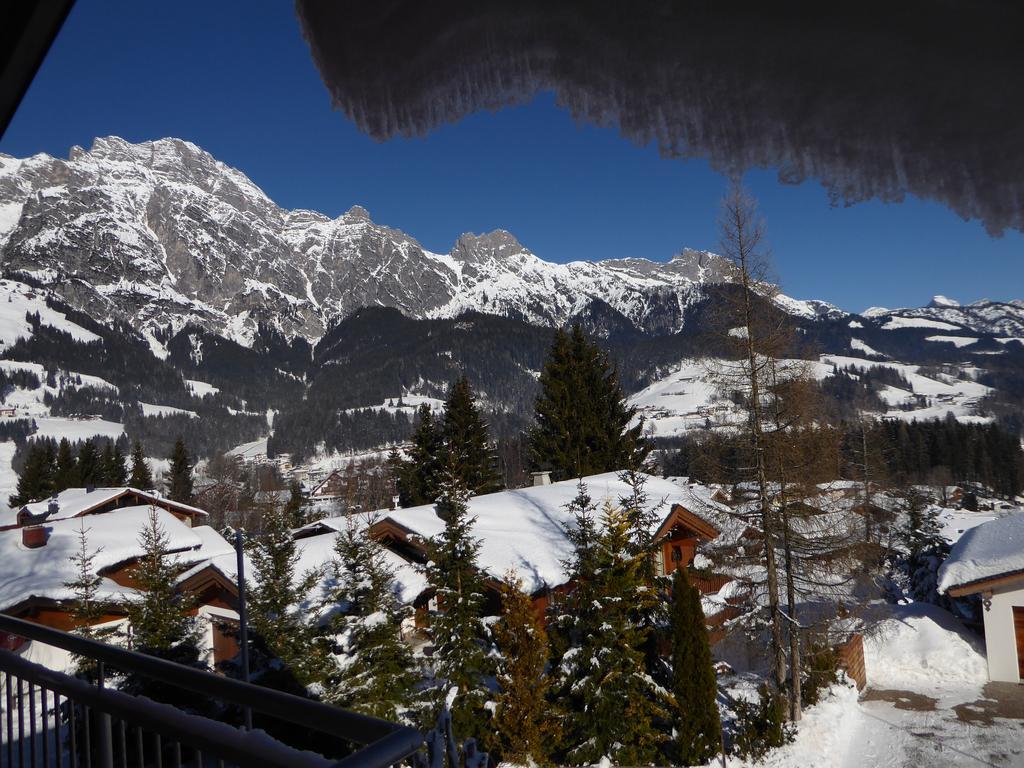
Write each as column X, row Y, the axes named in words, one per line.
column 162, row 234
column 999, row 318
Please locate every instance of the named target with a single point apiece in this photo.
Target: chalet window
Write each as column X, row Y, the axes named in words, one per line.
column 556, row 599
column 659, row 563
column 677, row 554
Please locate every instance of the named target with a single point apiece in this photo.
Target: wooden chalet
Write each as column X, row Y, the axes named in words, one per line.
column 34, row 582
column 331, row 487
column 76, row 502
column 679, row 535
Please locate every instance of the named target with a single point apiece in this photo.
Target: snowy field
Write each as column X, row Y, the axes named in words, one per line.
column 8, row 477
column 409, row 405
column 688, row 399
column 249, row 451
column 201, row 388
column 77, row 429
column 17, row 300
column 684, row 400
column 943, row 394
column 149, row 409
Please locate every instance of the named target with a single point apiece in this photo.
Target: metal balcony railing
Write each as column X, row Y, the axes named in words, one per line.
column 51, row 719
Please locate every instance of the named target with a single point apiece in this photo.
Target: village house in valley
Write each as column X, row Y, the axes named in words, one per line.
column 989, row 561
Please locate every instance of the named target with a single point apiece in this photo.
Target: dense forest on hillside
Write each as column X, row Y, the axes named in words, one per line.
column 330, row 396
column 899, row 453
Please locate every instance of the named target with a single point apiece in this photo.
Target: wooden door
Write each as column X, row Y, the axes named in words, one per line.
column 1019, row 633
column 1018, row 630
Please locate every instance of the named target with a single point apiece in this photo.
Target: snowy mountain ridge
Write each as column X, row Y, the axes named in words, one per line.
column 162, row 234
column 999, row 318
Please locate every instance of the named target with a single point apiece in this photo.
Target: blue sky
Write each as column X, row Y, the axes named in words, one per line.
column 237, row 79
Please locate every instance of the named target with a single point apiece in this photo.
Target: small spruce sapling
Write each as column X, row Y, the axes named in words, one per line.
column 160, row 618
column 525, row 720
column 88, row 609
column 696, row 718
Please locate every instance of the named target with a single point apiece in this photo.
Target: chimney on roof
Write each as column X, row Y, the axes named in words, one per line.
column 54, row 506
column 394, row 501
column 34, row 536
column 541, row 478
column 90, row 488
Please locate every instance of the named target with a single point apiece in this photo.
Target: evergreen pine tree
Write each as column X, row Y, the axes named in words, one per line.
column 417, row 478
column 461, row 664
column 694, row 687
column 179, row 479
column 88, row 609
column 90, row 469
column 293, row 508
column 376, row 673
column 602, row 679
column 117, row 472
column 65, row 474
column 140, row 477
column 920, row 534
column 106, row 466
column 278, row 597
column 524, row 719
column 581, row 423
column 160, row 619
column 36, row 480
column 921, row 530
column 467, row 445
column 571, row 618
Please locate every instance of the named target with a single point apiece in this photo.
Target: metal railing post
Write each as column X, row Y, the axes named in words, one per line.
column 104, row 737
column 243, row 618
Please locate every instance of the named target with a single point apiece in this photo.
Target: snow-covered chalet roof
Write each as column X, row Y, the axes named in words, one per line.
column 523, row 530
column 113, row 537
column 988, row 551
column 317, row 552
column 72, row 502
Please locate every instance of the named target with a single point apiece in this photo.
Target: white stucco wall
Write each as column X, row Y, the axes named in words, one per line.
column 1000, row 643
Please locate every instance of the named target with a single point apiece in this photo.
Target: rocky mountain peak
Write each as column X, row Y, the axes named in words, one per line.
column 356, row 214
column 497, row 244
column 939, row 302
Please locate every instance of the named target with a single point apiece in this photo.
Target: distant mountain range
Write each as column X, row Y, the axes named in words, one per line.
column 165, row 248
column 163, row 234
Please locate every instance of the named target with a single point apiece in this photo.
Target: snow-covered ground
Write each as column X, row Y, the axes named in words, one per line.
column 896, row 323
column 149, row 409
column 250, row 451
column 859, row 346
column 957, row 341
column 77, row 429
column 18, row 300
column 407, row 404
column 687, row 398
column 8, row 477
column 201, row 388
column 927, row 704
